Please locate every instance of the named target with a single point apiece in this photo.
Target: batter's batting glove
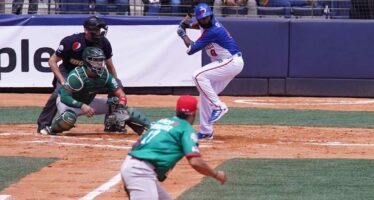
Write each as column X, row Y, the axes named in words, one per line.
column 184, row 24
column 181, row 32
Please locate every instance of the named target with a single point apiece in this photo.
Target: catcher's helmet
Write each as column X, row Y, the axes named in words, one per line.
column 93, row 59
column 203, row 10
column 94, row 24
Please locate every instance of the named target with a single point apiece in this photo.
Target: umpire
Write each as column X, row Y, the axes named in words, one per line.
column 70, row 52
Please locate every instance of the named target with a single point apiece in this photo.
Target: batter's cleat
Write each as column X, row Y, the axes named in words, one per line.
column 46, row 131
column 217, row 114
column 205, row 136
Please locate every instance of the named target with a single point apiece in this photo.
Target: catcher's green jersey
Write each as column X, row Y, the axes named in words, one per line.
column 79, row 88
column 165, row 143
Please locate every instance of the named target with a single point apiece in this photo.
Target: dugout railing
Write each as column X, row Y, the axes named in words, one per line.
column 331, row 9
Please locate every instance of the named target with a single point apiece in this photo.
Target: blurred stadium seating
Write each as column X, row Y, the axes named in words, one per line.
column 334, row 9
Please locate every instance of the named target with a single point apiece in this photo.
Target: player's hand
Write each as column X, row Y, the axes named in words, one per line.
column 184, row 24
column 221, row 177
column 181, row 32
column 88, row 110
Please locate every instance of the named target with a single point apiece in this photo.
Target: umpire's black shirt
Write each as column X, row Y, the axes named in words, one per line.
column 71, row 49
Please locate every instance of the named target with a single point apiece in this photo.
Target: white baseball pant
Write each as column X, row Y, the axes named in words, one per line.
column 211, row 80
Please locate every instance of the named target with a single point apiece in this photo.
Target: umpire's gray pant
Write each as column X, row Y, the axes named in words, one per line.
column 49, row 110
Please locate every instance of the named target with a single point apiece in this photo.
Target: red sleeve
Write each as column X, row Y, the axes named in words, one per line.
column 190, row 155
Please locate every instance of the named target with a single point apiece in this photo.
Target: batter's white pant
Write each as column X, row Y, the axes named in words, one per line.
column 140, row 180
column 211, row 80
column 98, row 104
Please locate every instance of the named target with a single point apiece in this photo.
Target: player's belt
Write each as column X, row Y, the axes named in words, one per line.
column 148, row 163
column 135, row 158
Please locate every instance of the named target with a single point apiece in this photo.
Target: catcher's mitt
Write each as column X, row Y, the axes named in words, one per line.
column 116, row 119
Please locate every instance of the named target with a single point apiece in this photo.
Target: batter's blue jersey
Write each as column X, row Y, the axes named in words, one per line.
column 217, row 41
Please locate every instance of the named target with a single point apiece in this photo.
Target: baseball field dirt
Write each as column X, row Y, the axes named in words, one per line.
column 89, row 159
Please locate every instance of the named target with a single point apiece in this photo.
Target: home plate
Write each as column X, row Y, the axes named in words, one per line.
column 5, row 197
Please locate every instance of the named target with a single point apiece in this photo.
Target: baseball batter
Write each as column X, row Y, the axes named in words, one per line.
column 211, row 79
column 158, row 151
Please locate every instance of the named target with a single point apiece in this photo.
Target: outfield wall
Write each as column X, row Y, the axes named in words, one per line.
column 296, row 57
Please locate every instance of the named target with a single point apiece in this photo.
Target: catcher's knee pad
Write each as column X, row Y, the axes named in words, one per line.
column 64, row 122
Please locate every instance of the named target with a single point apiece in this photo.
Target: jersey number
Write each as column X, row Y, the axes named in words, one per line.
column 213, row 52
column 149, row 137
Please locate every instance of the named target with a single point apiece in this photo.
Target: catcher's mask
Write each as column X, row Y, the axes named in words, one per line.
column 94, row 60
column 96, row 27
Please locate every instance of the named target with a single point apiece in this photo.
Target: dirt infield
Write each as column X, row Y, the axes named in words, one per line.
column 90, row 159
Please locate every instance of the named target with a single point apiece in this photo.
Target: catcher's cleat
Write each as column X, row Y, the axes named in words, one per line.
column 217, row 114
column 205, row 136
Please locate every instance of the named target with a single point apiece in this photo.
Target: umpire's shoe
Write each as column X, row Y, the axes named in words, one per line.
column 46, row 131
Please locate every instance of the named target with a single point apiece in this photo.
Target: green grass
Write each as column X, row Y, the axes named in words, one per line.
column 245, row 116
column 288, row 179
column 12, row 169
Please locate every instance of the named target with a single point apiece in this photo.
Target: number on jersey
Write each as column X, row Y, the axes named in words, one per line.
column 150, row 136
column 213, row 52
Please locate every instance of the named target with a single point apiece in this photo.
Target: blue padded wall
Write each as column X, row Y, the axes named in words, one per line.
column 331, row 49
column 264, row 44
column 330, row 87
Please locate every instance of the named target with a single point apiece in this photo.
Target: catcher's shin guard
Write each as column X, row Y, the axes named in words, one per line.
column 64, row 122
column 138, row 122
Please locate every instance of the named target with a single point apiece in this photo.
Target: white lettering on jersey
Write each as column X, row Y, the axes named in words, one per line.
column 161, row 127
column 166, row 121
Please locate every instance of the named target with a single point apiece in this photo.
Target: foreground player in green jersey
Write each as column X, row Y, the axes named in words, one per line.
column 158, row 150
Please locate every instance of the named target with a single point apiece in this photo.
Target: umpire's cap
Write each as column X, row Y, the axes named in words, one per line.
column 187, row 104
column 94, row 23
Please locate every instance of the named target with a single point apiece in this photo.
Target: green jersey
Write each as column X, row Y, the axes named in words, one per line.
column 80, row 88
column 165, row 143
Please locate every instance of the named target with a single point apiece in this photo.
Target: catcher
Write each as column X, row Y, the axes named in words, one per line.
column 78, row 97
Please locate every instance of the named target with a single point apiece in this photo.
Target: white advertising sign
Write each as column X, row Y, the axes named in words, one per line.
column 144, row 55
